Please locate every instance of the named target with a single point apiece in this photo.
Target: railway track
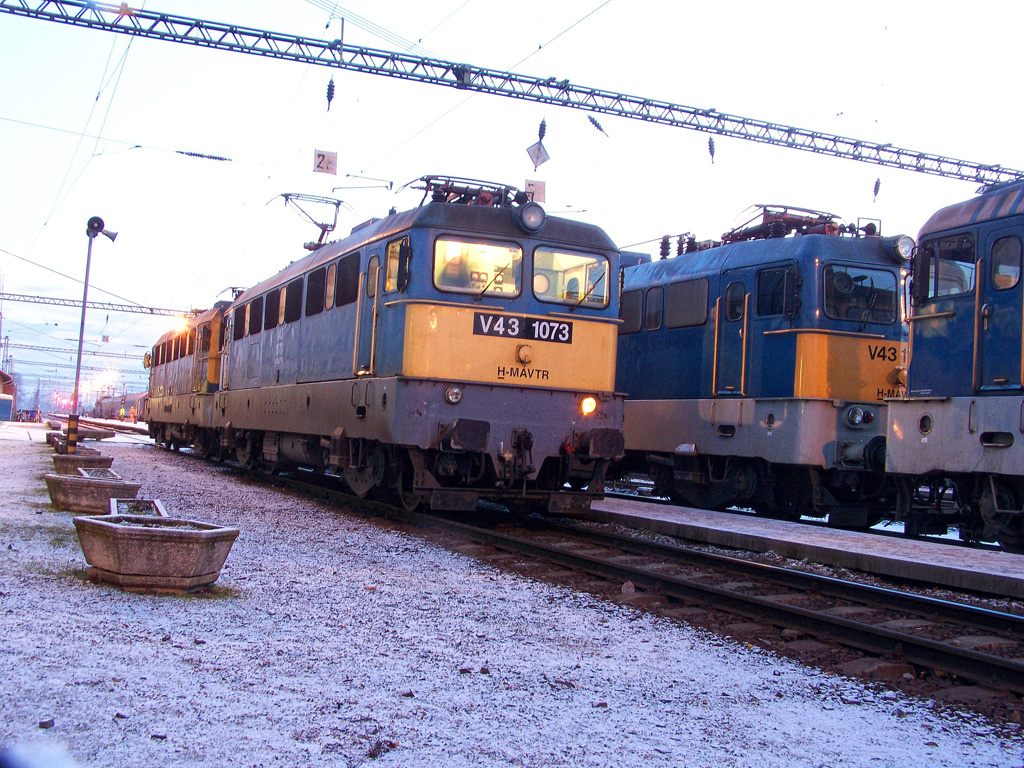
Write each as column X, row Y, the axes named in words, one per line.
column 944, row 640
column 962, row 641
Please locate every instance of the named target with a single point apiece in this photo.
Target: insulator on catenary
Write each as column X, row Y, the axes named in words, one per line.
column 330, row 94
column 711, row 148
column 878, row 186
column 596, row 124
column 543, row 129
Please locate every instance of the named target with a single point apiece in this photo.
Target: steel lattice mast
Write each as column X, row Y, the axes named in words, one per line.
column 230, row 37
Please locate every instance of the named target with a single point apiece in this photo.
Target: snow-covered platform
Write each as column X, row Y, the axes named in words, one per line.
column 981, row 570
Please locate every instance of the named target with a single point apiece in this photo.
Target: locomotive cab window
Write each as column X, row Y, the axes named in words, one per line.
column 347, row 289
column 771, row 292
column 735, row 299
column 398, row 265
column 578, row 279
column 478, row 268
column 859, row 294
column 372, row 275
column 1006, row 263
column 945, row 267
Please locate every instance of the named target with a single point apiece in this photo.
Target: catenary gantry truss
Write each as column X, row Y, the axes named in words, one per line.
column 101, row 305
column 229, row 37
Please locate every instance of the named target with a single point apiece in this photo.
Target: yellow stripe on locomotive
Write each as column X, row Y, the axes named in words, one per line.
column 844, row 366
column 487, row 345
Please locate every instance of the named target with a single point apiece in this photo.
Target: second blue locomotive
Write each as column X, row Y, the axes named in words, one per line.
column 757, row 371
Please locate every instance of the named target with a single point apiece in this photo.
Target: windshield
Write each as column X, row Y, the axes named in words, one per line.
column 479, row 268
column 863, row 295
column 578, row 279
column 950, row 262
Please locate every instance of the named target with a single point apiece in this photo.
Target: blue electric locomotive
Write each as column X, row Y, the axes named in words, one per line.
column 756, row 371
column 462, row 350
column 957, row 442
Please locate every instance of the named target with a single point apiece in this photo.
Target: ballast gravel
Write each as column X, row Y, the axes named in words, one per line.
column 335, row 640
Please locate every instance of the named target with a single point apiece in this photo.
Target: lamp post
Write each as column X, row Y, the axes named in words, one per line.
column 93, row 228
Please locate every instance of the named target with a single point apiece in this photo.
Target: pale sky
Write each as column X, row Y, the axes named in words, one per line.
column 90, row 126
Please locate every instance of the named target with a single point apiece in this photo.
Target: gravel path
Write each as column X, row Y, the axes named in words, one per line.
column 332, row 640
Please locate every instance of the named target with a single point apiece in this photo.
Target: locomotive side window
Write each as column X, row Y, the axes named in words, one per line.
column 347, row 289
column 571, row 278
column 945, row 267
column 398, row 265
column 256, row 315
column 272, row 309
column 686, row 303
column 316, row 290
column 1006, row 263
column 771, row 284
column 655, row 308
column 239, row 323
column 856, row 293
column 372, row 268
column 293, row 301
column 478, row 268
column 735, row 295
column 332, row 277
column 630, row 311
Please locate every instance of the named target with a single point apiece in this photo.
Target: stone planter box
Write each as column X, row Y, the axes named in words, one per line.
column 145, row 507
column 85, row 494
column 99, row 473
column 154, row 554
column 60, row 446
column 69, row 463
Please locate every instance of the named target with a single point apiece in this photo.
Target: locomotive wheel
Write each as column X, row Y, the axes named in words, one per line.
column 202, row 444
column 367, row 477
column 248, row 449
column 401, row 484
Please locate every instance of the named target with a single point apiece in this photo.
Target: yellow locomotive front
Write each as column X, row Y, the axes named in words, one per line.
column 459, row 351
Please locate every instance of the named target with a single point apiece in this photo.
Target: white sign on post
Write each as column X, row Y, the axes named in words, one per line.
column 325, row 162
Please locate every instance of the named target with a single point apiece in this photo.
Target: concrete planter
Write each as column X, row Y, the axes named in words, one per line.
column 69, row 463
column 99, row 473
column 144, row 507
column 85, row 494
column 158, row 554
column 60, row 445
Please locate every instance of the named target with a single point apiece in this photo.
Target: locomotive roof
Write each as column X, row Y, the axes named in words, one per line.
column 195, row 320
column 753, row 253
column 495, row 221
column 1004, row 200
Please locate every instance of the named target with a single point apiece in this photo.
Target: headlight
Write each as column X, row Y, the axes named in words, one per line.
column 855, row 416
column 453, row 395
column 588, row 405
column 532, row 217
column 900, row 248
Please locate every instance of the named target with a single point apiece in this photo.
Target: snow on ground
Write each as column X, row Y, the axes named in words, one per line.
column 333, row 640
